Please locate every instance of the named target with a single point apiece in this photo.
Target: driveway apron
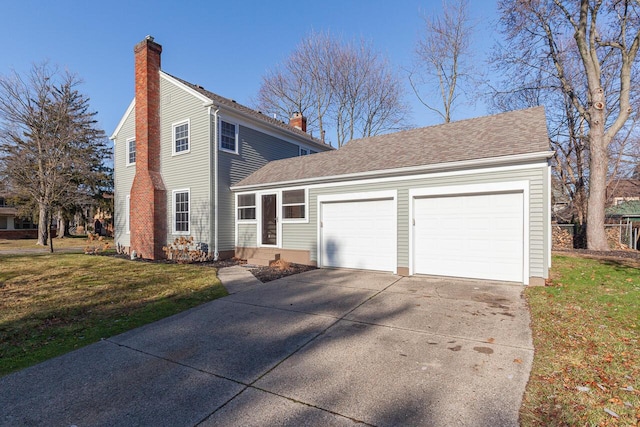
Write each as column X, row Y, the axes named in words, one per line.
column 326, row 347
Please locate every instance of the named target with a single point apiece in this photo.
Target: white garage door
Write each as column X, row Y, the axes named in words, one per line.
column 358, row 234
column 477, row 236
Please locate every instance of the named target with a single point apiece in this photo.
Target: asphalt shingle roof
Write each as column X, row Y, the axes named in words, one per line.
column 233, row 105
column 506, row 134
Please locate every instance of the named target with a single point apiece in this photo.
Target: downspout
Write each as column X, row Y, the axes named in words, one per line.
column 216, row 254
column 214, row 140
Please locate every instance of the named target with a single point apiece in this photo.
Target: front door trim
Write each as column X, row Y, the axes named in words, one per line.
column 261, row 218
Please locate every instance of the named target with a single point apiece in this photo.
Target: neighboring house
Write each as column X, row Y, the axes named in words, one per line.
column 178, row 149
column 623, row 190
column 11, row 225
column 467, row 199
column 7, row 214
column 627, row 214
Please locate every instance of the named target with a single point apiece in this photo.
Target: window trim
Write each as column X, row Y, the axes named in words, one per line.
column 237, row 131
column 128, row 152
column 127, row 214
column 254, row 206
column 173, row 137
column 305, row 219
column 306, row 151
column 173, row 212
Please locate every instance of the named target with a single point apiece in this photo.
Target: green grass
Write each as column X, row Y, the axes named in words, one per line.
column 586, row 334
column 52, row 304
column 69, row 242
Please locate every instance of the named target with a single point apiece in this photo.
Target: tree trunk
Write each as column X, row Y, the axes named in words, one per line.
column 43, row 226
column 62, row 227
column 599, row 161
column 49, row 228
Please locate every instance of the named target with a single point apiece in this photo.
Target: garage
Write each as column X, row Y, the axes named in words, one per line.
column 471, row 235
column 358, row 234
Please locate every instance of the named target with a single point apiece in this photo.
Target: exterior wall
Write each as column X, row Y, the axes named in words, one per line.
column 123, row 178
column 304, row 236
column 255, row 149
column 188, row 170
column 193, row 170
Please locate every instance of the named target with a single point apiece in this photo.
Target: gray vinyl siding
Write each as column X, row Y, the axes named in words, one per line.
column 254, row 151
column 123, row 178
column 247, row 235
column 186, row 171
column 304, row 236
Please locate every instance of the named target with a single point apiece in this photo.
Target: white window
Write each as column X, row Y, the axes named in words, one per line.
column 303, row 151
column 127, row 213
column 181, row 211
column 131, row 151
column 246, row 207
column 228, row 136
column 294, row 204
column 180, row 137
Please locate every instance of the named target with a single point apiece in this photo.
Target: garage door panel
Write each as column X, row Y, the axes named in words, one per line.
column 359, row 234
column 478, row 236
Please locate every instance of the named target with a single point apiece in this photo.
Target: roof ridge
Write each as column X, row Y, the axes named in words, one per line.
column 452, row 123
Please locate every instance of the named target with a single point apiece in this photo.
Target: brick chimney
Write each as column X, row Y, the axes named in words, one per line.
column 298, row 121
column 148, row 195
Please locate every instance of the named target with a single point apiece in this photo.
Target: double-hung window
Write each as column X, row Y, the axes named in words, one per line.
column 228, row 136
column 181, row 137
column 131, row 151
column 246, row 207
column 294, row 204
column 181, row 211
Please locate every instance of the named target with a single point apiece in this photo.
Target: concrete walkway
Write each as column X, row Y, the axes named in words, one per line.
column 326, row 347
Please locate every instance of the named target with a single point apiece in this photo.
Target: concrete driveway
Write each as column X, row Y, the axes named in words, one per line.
column 326, row 348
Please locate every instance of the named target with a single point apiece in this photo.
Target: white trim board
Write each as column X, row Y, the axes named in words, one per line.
column 124, row 118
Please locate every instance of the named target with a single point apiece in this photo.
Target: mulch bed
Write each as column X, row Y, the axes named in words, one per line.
column 262, row 273
column 267, row 274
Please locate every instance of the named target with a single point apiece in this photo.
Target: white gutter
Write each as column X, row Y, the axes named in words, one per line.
column 438, row 167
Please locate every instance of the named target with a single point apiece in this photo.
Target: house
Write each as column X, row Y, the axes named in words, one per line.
column 466, row 199
column 623, row 190
column 178, row 149
column 12, row 226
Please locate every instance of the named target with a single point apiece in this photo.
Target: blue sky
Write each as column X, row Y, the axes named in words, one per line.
column 224, row 46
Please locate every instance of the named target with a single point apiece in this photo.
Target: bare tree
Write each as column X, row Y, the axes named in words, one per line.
column 587, row 51
column 344, row 86
column 51, row 148
column 444, row 58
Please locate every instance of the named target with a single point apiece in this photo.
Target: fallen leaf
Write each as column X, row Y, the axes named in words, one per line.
column 491, row 340
column 610, row 412
column 517, row 360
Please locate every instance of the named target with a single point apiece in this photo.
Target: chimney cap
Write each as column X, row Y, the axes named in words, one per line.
column 150, row 38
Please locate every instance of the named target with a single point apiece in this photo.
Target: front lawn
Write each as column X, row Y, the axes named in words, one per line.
column 586, row 369
column 69, row 242
column 51, row 304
